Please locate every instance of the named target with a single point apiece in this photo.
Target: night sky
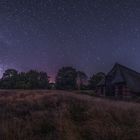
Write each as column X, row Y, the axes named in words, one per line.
column 90, row 35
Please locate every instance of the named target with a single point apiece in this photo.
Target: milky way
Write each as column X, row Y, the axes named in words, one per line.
column 90, row 35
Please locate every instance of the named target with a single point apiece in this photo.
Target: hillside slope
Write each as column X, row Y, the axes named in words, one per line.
column 61, row 115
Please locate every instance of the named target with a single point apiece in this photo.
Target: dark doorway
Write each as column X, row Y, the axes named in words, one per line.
column 110, row 90
column 120, row 91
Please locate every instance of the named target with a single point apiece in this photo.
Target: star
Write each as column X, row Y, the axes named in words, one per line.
column 89, row 35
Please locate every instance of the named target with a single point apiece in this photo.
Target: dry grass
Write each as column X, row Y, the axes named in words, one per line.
column 60, row 115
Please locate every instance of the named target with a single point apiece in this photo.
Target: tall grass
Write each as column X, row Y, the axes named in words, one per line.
column 60, row 115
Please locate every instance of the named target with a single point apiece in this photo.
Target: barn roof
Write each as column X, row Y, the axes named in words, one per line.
column 127, row 75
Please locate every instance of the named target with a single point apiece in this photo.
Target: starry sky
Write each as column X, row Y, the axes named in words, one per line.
column 90, row 35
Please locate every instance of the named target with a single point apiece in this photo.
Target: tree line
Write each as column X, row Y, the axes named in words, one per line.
column 67, row 78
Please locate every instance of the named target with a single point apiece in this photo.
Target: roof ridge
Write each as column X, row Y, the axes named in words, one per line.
column 120, row 65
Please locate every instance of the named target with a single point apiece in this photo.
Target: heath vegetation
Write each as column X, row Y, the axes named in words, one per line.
column 62, row 115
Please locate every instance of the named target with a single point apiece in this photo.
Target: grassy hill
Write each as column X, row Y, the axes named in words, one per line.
column 62, row 115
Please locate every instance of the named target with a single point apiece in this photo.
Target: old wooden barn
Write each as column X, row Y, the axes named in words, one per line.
column 120, row 82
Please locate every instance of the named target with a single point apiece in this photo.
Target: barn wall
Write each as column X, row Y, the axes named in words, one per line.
column 121, row 90
column 126, row 91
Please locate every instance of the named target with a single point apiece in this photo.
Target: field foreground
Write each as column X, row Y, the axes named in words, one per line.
column 62, row 115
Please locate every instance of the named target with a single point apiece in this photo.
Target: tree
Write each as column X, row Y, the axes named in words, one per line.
column 66, row 78
column 9, row 79
column 22, row 81
column 95, row 79
column 33, row 79
column 9, row 73
column 81, row 80
column 37, row 80
column 43, row 80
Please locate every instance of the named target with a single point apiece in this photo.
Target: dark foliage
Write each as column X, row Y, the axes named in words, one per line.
column 66, row 78
column 82, row 79
column 9, row 79
column 95, row 79
column 30, row 80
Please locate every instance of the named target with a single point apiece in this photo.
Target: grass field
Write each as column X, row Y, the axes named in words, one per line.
column 62, row 115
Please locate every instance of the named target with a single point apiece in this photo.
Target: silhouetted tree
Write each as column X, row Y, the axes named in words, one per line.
column 43, row 80
column 31, row 80
column 81, row 80
column 95, row 79
column 66, row 78
column 9, row 79
column 22, row 81
column 37, row 80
